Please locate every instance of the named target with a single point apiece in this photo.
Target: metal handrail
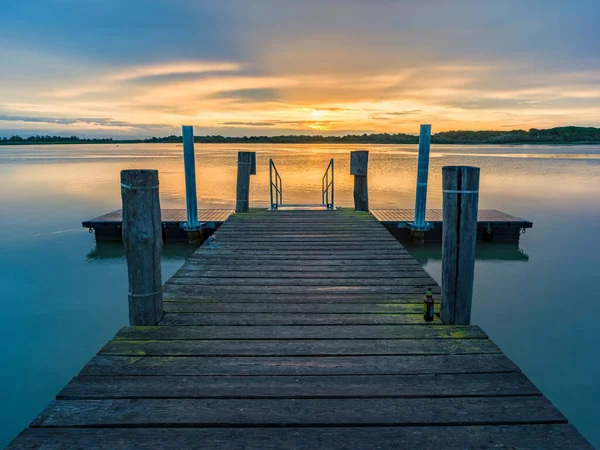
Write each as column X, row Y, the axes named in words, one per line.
column 277, row 185
column 327, row 187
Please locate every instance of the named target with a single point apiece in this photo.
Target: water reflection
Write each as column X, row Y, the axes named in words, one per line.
column 484, row 251
column 115, row 250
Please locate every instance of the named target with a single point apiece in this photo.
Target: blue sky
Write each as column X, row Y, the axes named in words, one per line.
column 143, row 68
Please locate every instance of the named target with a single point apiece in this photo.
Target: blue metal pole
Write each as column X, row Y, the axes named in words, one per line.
column 189, row 162
column 422, row 174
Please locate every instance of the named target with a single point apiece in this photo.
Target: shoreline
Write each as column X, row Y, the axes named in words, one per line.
column 505, row 144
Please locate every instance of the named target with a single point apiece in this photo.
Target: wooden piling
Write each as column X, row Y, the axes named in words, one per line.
column 142, row 236
column 245, row 166
column 460, row 198
column 359, row 161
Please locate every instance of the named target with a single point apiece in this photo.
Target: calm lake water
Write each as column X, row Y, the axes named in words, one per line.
column 63, row 297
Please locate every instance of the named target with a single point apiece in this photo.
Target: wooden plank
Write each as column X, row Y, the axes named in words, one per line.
column 329, row 347
column 253, row 319
column 243, row 272
column 342, row 249
column 551, row 437
column 233, row 233
column 208, row 267
column 270, row 240
column 310, row 228
column 301, row 218
column 270, row 290
column 354, row 332
column 342, row 229
column 318, row 263
column 291, row 249
column 309, row 237
column 297, row 308
column 300, row 222
column 421, row 280
column 295, row 224
column 344, row 298
column 307, row 228
column 306, row 412
column 386, row 386
column 302, row 256
column 296, row 217
column 291, row 217
column 292, row 365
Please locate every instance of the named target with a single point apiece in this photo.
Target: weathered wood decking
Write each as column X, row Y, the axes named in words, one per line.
column 493, row 225
column 107, row 227
column 300, row 330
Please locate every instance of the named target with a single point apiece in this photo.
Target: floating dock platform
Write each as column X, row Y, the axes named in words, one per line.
column 287, row 331
column 493, row 225
column 107, row 227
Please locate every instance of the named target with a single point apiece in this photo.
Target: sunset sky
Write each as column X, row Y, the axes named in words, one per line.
column 261, row 67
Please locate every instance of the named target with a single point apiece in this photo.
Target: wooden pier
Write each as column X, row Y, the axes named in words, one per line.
column 300, row 330
column 492, row 225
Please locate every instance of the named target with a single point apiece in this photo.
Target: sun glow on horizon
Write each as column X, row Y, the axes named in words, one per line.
column 221, row 98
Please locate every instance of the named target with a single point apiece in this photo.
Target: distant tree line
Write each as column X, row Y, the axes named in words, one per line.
column 559, row 135
column 37, row 139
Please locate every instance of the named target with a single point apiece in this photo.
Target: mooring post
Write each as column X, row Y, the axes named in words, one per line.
column 193, row 228
column 420, row 226
column 460, row 202
column 246, row 167
column 142, row 236
column 359, row 162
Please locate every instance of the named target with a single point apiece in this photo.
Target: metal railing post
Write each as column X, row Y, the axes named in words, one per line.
column 280, row 188
column 332, row 185
column 327, row 186
column 277, row 185
column 271, row 181
column 189, row 162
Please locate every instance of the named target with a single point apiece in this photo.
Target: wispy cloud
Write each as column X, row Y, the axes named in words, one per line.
column 173, row 68
column 251, row 124
column 394, row 114
column 92, row 121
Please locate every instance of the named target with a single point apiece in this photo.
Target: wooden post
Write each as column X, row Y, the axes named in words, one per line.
column 359, row 162
column 246, row 163
column 142, row 236
column 252, row 163
column 460, row 201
